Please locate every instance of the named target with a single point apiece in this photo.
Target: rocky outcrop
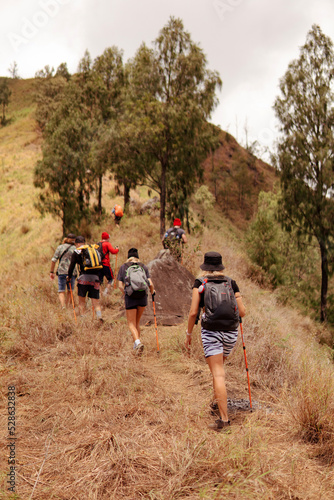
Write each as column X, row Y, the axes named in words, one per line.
column 173, row 285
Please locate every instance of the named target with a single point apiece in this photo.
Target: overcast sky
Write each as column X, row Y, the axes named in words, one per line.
column 249, row 42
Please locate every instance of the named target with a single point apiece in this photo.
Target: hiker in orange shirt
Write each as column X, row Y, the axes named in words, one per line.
column 117, row 214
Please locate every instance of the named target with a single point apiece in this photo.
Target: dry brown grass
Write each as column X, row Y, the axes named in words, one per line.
column 94, row 422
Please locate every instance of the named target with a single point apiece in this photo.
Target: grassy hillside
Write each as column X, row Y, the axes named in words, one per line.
column 236, row 177
column 94, row 422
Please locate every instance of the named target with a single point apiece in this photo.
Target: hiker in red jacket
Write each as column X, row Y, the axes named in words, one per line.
column 106, row 271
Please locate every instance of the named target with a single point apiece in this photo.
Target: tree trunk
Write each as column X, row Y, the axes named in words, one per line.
column 99, row 200
column 126, row 194
column 324, row 282
column 163, row 201
column 187, row 219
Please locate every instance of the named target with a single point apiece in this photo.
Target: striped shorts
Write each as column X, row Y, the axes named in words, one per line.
column 218, row 342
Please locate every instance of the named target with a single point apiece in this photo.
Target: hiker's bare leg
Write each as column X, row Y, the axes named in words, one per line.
column 140, row 311
column 216, row 365
column 97, row 308
column 131, row 316
column 82, row 305
column 61, row 296
column 68, row 299
column 96, row 304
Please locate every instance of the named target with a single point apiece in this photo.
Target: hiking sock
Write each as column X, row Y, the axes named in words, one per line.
column 137, row 342
column 98, row 314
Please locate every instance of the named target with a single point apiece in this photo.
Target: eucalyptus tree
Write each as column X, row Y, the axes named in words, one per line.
column 73, row 115
column 305, row 149
column 107, row 82
column 171, row 95
column 64, row 174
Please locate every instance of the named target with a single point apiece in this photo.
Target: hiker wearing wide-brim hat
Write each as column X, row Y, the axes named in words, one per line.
column 219, row 297
column 63, row 256
column 135, row 297
column 212, row 262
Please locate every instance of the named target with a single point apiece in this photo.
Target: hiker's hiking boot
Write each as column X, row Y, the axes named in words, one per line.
column 138, row 349
column 220, row 425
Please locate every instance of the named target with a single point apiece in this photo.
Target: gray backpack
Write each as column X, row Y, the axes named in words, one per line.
column 220, row 306
column 136, row 281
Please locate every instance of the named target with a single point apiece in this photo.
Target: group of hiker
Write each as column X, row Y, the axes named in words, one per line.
column 216, row 298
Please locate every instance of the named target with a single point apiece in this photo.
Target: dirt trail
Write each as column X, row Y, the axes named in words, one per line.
column 191, row 385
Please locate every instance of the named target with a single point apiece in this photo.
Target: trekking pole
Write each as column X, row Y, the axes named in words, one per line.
column 244, row 348
column 155, row 322
column 75, row 316
column 115, row 271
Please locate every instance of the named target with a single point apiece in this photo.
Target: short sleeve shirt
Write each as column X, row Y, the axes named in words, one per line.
column 137, row 297
column 122, row 271
column 63, row 252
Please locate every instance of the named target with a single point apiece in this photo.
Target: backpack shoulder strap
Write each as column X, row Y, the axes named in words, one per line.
column 64, row 252
column 101, row 250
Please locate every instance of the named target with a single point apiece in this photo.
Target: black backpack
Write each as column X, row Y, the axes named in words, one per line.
column 91, row 257
column 220, row 305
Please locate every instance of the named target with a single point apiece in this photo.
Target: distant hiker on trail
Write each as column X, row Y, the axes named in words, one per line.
column 63, row 255
column 134, row 281
column 174, row 238
column 219, row 324
column 117, row 214
column 106, row 271
column 89, row 279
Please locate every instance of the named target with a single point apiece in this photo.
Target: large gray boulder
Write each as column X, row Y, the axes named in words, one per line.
column 173, row 285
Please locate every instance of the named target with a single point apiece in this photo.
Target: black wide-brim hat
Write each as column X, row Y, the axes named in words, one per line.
column 212, row 262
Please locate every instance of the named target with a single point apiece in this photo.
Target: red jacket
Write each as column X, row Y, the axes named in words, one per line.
column 106, row 248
